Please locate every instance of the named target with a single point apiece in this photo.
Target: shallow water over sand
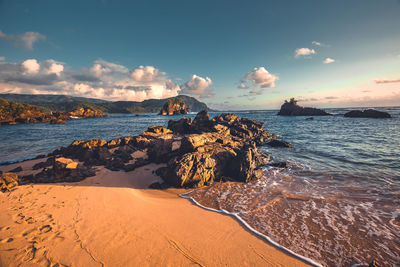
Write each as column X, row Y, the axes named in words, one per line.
column 338, row 203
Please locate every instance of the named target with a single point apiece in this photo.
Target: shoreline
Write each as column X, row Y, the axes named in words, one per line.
column 114, row 219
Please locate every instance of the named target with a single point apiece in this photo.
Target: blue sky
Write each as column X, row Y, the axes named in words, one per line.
column 206, row 49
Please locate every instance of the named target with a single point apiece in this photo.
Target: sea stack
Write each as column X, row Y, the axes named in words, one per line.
column 369, row 113
column 174, row 106
column 291, row 108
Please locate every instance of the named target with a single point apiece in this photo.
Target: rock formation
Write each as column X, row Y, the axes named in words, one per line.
column 8, row 181
column 368, row 113
column 195, row 153
column 14, row 113
column 291, row 108
column 174, row 106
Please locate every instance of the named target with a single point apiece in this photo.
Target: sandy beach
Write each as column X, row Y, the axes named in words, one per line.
column 112, row 219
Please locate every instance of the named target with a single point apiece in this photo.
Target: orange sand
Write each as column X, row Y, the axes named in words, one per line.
column 112, row 219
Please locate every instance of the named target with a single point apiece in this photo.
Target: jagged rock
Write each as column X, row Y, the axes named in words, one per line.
column 41, row 165
column 201, row 122
column 245, row 164
column 8, row 181
column 291, row 108
column 278, row 143
column 181, row 126
column 18, row 169
column 174, row 106
column 369, row 113
column 138, row 163
column 62, row 170
column 115, row 164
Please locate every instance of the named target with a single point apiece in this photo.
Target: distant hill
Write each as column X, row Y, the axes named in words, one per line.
column 67, row 103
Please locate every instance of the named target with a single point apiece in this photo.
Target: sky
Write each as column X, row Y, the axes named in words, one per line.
column 229, row 54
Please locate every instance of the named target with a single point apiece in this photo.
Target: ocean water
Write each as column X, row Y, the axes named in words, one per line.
column 338, row 202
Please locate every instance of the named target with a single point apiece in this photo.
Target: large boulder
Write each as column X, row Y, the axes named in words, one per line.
column 201, row 122
column 62, row 170
column 8, row 181
column 181, row 126
column 291, row 108
column 369, row 113
column 174, row 106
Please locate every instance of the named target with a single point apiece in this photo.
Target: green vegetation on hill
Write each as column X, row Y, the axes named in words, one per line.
column 67, row 103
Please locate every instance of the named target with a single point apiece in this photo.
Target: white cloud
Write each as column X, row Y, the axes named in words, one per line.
column 316, row 43
column 243, row 85
column 146, row 74
column 328, row 60
column 261, row 77
column 26, row 40
column 31, row 66
column 2, row 58
column 197, row 86
column 387, row 81
column 304, row 52
column 103, row 79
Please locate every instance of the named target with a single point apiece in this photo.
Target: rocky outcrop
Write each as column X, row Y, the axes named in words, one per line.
column 291, row 108
column 8, row 181
column 195, row 152
column 278, row 143
column 14, row 113
column 368, row 113
column 61, row 170
column 174, row 106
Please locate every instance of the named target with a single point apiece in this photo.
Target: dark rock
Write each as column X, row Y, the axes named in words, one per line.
column 369, row 113
column 63, row 170
column 27, row 179
column 282, row 164
column 182, row 126
column 41, row 165
column 116, row 164
column 18, row 169
column 201, row 122
column 291, row 108
column 8, row 181
column 245, row 165
column 174, row 106
column 278, row 143
column 310, row 119
column 138, row 163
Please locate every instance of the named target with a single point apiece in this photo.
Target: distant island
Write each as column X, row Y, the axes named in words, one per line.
column 67, row 103
column 291, row 108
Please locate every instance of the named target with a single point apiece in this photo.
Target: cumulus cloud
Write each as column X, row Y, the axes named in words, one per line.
column 26, row 40
column 304, row 52
column 316, row 43
column 197, row 86
column 31, row 66
column 328, row 60
column 259, row 77
column 102, row 79
column 387, row 81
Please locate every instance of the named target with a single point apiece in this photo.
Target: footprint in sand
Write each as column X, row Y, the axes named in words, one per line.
column 7, row 240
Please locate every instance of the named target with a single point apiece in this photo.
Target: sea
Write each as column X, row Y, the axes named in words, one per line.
column 336, row 204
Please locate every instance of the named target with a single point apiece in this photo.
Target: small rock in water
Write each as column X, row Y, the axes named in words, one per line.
column 278, row 143
column 310, row 119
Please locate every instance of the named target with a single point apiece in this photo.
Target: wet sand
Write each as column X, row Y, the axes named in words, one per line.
column 113, row 219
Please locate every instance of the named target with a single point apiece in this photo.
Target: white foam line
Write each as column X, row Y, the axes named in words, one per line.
column 254, row 231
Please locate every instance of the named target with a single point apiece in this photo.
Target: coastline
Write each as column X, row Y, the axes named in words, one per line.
column 113, row 219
